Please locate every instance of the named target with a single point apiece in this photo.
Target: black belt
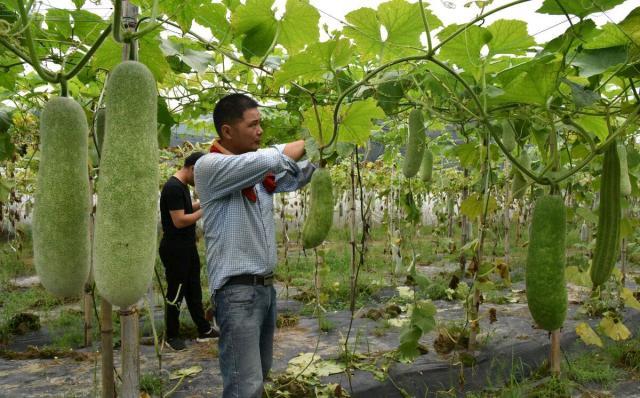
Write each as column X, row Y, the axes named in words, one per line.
column 247, row 279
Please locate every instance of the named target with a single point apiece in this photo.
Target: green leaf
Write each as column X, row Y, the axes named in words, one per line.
column 214, row 17
column 594, row 62
column 78, row 3
column 322, row 133
column 6, row 12
column 255, row 22
column 151, row 55
column 401, row 20
column 198, row 60
column 5, row 121
column 423, row 316
column 318, row 61
column 575, row 35
column 595, row 125
column 299, row 25
column 257, row 41
column 165, row 122
column 507, row 75
column 535, row 86
column 6, row 147
column 183, row 12
column 59, row 21
column 611, row 35
column 586, row 214
column 364, row 29
column 5, row 189
column 409, row 337
column 473, row 206
column 467, row 154
column 389, row 92
column 579, row 8
column 509, row 37
column 575, row 275
column 108, row 55
column 627, row 228
column 357, row 122
column 403, row 23
column 581, row 96
column 8, row 77
column 465, row 49
column 251, row 15
column 87, row 26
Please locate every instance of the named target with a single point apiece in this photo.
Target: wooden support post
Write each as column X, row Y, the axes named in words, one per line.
column 130, row 352
column 106, row 336
column 554, row 360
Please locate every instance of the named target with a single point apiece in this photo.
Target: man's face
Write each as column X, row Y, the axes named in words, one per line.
column 246, row 133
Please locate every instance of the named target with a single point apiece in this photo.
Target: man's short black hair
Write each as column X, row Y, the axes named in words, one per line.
column 231, row 108
column 192, row 158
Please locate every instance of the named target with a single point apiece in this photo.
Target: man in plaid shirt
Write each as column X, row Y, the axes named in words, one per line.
column 236, row 183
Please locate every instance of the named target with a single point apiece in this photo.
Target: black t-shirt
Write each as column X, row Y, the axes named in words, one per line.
column 176, row 196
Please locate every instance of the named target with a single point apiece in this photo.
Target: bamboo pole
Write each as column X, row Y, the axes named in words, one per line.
column 88, row 315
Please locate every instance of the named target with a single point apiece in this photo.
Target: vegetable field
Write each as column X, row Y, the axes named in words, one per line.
column 471, row 229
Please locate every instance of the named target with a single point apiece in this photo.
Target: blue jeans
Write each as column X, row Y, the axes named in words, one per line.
column 246, row 315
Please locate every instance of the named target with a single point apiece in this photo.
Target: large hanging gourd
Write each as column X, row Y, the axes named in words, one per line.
column 609, row 216
column 126, row 218
column 544, row 275
column 415, row 144
column 426, row 168
column 61, row 212
column 625, row 182
column 320, row 215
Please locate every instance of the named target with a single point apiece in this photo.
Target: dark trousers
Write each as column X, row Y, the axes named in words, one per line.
column 182, row 270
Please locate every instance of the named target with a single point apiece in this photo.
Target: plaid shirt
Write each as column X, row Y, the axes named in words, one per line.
column 240, row 234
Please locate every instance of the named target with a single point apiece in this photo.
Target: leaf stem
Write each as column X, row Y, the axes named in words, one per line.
column 426, row 26
column 89, row 54
column 33, row 55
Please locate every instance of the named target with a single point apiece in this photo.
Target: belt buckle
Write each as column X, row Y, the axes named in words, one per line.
column 268, row 280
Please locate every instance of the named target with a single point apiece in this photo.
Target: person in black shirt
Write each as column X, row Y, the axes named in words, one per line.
column 179, row 254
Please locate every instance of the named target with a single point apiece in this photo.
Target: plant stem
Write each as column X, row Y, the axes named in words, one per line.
column 33, row 55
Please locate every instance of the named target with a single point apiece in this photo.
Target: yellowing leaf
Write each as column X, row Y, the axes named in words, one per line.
column 629, row 299
column 398, row 322
column 614, row 329
column 185, row 372
column 405, row 292
column 588, row 335
column 573, row 275
column 309, row 364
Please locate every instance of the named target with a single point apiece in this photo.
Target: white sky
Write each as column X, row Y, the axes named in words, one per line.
column 544, row 27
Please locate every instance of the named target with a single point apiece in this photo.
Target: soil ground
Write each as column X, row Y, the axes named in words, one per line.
column 510, row 345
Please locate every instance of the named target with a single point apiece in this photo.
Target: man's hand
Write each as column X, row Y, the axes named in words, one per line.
column 294, row 150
